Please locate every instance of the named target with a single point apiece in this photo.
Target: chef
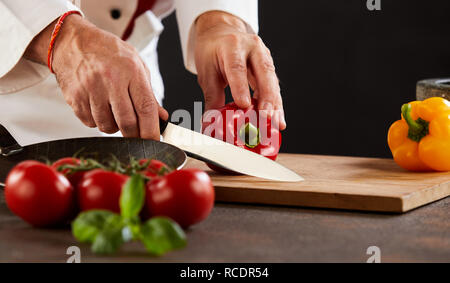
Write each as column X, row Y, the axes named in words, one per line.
column 89, row 68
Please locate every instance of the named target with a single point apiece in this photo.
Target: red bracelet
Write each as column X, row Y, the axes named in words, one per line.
column 53, row 37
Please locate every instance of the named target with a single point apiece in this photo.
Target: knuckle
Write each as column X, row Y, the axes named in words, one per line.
column 238, row 65
column 72, row 98
column 132, row 62
column 233, row 39
column 98, row 111
column 69, row 101
column 209, row 99
column 104, row 122
column 255, row 38
column 110, row 73
column 243, row 90
column 89, row 77
column 127, row 125
column 267, row 66
column 77, row 105
column 146, row 105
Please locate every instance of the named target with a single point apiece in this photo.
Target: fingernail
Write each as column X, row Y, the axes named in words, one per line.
column 283, row 119
column 247, row 100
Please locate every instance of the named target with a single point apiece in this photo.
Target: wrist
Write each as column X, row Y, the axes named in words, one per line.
column 71, row 29
column 214, row 19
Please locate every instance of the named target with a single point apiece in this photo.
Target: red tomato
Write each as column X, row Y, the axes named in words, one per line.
column 153, row 168
column 186, row 196
column 100, row 189
column 74, row 178
column 38, row 194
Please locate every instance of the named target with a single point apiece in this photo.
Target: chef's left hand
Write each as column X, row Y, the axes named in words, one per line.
column 226, row 54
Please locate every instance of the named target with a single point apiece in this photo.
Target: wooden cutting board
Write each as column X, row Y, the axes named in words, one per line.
column 370, row 184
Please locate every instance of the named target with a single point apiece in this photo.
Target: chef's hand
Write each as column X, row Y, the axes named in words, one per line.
column 102, row 78
column 225, row 54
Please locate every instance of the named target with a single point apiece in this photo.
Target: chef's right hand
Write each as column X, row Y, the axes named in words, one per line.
column 104, row 80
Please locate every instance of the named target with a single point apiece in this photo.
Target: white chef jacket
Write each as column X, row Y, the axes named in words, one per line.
column 32, row 107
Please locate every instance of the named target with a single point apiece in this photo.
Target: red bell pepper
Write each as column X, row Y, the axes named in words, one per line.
column 245, row 128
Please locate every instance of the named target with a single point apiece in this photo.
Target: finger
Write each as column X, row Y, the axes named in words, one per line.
column 145, row 105
column 269, row 96
column 124, row 115
column 102, row 114
column 82, row 109
column 235, row 68
column 213, row 89
column 162, row 113
column 85, row 116
column 252, row 81
column 267, row 85
column 279, row 118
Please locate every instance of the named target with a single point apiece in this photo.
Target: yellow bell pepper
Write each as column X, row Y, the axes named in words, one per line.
column 420, row 141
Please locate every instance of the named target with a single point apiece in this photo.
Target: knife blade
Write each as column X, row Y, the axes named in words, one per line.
column 224, row 154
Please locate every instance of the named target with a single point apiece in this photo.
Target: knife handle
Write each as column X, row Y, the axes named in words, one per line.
column 163, row 124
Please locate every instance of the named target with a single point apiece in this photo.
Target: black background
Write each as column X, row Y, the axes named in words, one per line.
column 344, row 71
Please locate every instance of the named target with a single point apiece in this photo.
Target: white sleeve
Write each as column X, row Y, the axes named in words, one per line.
column 188, row 10
column 20, row 22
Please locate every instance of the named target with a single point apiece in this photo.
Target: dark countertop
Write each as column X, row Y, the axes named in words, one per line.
column 246, row 233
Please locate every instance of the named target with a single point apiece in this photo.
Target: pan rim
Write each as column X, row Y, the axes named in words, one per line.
column 179, row 166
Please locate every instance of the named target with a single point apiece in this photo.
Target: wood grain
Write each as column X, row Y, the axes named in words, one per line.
column 369, row 184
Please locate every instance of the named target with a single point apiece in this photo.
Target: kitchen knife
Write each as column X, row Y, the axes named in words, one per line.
column 224, row 154
column 201, row 147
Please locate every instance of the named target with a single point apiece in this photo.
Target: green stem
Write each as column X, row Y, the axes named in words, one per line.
column 249, row 134
column 417, row 128
column 413, row 125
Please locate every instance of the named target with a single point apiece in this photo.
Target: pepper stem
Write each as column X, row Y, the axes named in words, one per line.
column 417, row 128
column 249, row 134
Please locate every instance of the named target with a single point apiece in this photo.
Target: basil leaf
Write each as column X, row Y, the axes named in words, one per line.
column 161, row 235
column 88, row 224
column 110, row 238
column 132, row 197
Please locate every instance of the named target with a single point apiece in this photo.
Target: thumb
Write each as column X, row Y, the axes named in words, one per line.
column 163, row 114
